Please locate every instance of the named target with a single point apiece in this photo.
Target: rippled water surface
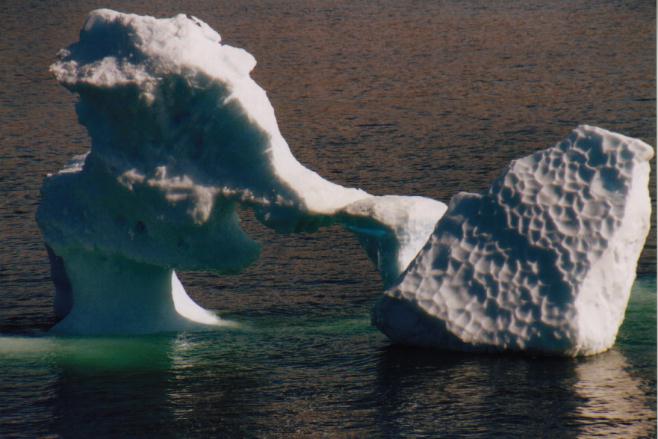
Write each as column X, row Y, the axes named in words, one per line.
column 306, row 374
column 404, row 97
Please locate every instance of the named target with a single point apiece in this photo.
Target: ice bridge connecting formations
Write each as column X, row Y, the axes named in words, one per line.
column 182, row 135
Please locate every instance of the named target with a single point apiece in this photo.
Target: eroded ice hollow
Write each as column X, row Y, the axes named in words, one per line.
column 181, row 135
column 543, row 261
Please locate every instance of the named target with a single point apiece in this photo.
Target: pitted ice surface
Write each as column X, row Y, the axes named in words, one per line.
column 543, row 261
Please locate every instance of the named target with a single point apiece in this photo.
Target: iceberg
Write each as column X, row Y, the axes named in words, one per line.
column 181, row 136
column 542, row 262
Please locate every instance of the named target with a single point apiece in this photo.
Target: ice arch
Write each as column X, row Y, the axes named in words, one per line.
column 181, row 135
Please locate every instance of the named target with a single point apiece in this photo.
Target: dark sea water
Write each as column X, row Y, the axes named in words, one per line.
column 396, row 97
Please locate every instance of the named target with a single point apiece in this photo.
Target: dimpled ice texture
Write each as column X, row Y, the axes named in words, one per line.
column 543, row 261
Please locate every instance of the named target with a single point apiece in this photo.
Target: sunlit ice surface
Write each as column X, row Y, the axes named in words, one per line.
column 181, row 135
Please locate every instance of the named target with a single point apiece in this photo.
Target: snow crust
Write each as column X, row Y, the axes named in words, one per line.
column 543, row 261
column 181, row 135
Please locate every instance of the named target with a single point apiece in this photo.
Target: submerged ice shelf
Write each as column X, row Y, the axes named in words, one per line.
column 182, row 135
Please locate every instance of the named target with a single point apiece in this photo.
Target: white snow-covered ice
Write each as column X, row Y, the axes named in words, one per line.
column 181, row 135
column 544, row 261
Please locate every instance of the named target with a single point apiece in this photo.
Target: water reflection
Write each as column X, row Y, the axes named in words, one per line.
column 111, row 387
column 293, row 375
column 207, row 384
column 484, row 396
column 614, row 402
column 72, row 386
column 479, row 395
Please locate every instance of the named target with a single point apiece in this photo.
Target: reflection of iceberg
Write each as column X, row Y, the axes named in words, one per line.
column 218, row 382
column 181, row 135
column 459, row 395
column 543, row 261
column 614, row 404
